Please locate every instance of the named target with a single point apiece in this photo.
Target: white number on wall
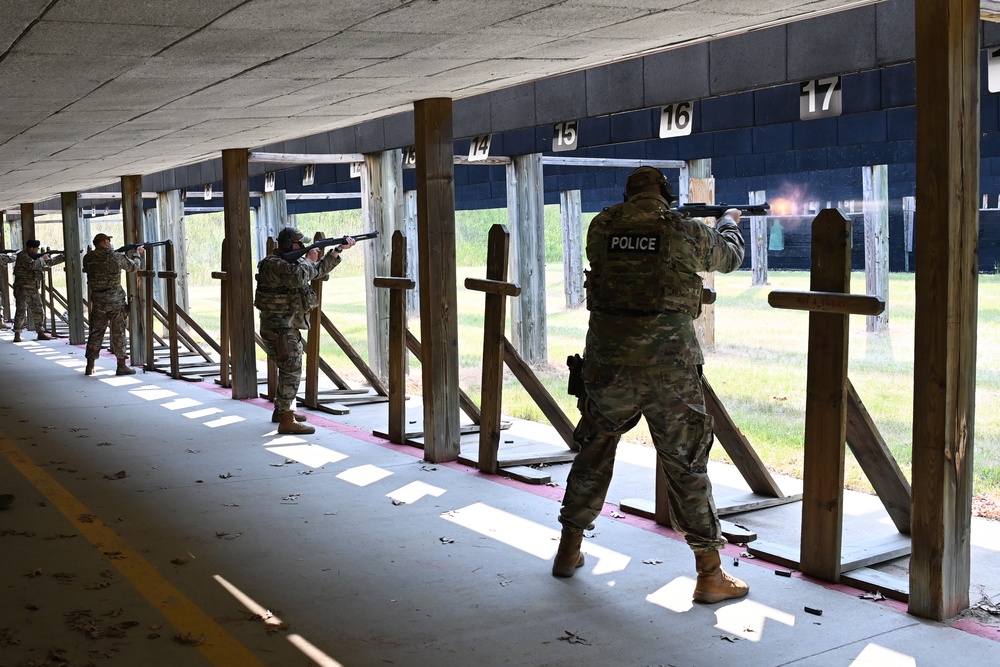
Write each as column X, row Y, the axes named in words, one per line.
column 564, row 136
column 820, row 98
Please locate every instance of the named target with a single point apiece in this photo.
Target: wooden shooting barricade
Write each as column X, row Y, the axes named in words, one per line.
column 401, row 340
column 764, row 490
column 518, row 452
column 166, row 356
column 835, row 415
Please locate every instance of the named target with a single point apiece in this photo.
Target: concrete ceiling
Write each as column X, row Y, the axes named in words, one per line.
column 91, row 90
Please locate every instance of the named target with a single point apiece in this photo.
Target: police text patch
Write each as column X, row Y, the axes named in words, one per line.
column 634, row 243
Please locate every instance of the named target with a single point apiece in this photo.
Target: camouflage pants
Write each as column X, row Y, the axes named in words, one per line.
column 105, row 313
column 672, row 401
column 284, row 348
column 29, row 299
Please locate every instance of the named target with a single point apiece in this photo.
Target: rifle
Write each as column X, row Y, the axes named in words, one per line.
column 296, row 255
column 8, row 251
column 55, row 252
column 703, row 210
column 148, row 244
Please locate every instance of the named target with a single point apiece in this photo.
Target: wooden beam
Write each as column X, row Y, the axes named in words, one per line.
column 876, row 212
column 570, row 210
column 944, row 377
column 525, row 214
column 876, row 460
column 826, row 379
column 759, row 241
column 382, row 211
column 27, row 224
column 305, row 158
column 133, row 227
column 438, row 291
column 827, row 302
column 239, row 272
column 74, row 267
column 497, row 290
column 701, row 187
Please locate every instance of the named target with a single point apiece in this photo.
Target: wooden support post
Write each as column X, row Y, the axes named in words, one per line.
column 570, row 209
column 27, row 223
column 132, row 224
column 272, row 217
column 170, row 276
column 398, row 285
column 148, row 275
column 909, row 209
column 382, row 210
column 876, row 209
column 944, row 378
column 311, row 396
column 826, row 384
column 224, row 364
column 4, row 274
column 438, row 292
column 759, row 241
column 497, row 290
column 170, row 211
column 526, row 221
column 236, row 191
column 74, row 268
column 412, row 252
column 701, row 188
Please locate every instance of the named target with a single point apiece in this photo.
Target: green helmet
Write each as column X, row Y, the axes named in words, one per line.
column 642, row 177
column 289, row 236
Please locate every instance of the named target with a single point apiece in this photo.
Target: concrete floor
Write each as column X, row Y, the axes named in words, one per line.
column 159, row 522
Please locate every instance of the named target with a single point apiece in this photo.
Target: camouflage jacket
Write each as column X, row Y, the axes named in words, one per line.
column 284, row 295
column 29, row 270
column 663, row 254
column 104, row 267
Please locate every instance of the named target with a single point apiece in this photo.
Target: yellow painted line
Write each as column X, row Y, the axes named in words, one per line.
column 220, row 647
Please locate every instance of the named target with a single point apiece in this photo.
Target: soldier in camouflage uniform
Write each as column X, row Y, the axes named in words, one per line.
column 108, row 301
column 284, row 298
column 642, row 359
column 29, row 276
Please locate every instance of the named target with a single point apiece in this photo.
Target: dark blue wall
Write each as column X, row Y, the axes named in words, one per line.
column 755, row 142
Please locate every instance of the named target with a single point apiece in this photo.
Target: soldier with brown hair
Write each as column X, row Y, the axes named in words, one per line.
column 642, row 359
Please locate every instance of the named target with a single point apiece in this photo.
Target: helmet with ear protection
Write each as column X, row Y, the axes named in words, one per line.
column 642, row 177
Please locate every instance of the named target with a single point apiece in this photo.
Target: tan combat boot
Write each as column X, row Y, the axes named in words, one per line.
column 124, row 369
column 287, row 425
column 276, row 416
column 90, row 367
column 714, row 583
column 568, row 557
column 43, row 336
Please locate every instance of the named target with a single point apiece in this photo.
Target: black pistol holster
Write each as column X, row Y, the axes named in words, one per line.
column 575, row 388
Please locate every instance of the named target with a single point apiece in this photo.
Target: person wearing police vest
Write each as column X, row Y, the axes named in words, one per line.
column 642, row 359
column 284, row 298
column 108, row 301
column 29, row 277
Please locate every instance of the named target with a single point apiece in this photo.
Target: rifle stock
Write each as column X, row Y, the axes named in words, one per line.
column 703, row 210
column 296, row 255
